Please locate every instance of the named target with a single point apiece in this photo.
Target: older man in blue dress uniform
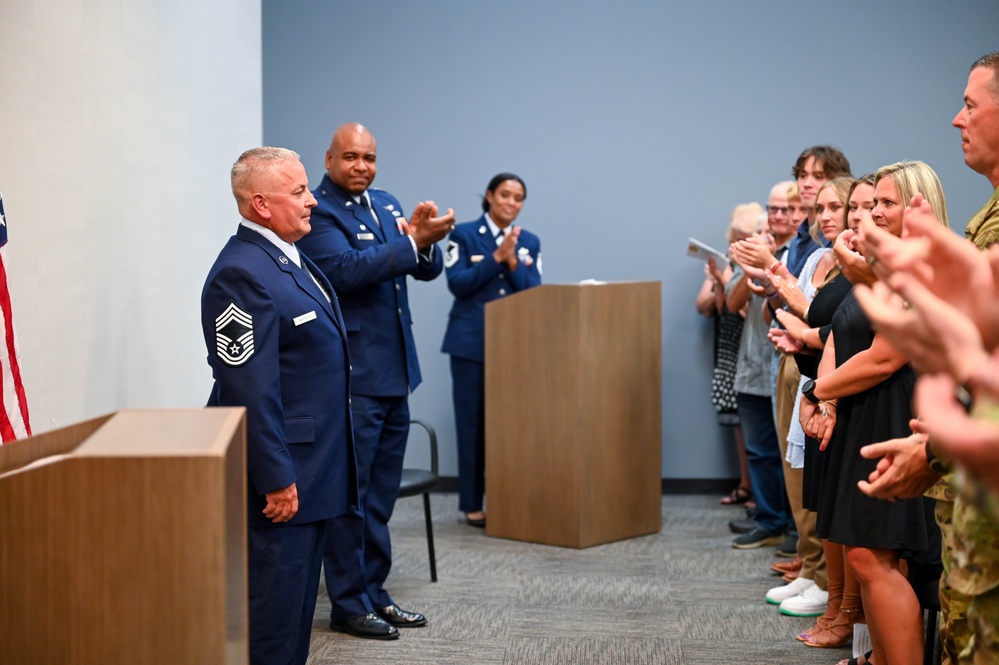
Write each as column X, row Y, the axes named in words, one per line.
column 278, row 346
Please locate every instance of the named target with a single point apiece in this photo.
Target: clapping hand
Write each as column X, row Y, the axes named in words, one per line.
column 853, row 263
column 425, row 227
column 507, row 250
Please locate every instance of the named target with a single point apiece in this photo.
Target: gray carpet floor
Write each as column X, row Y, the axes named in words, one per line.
column 680, row 596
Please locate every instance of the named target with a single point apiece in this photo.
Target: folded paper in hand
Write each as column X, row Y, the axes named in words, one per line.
column 699, row 250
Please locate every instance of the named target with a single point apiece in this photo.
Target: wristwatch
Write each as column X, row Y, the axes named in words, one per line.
column 934, row 462
column 964, row 397
column 808, row 390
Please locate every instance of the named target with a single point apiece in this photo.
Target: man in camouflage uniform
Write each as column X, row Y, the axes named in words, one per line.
column 967, row 511
column 973, row 573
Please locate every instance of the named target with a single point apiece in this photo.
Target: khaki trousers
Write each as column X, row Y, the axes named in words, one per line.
column 813, row 561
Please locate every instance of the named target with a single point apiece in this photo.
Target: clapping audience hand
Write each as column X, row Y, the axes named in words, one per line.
column 933, row 334
column 755, row 251
column 971, row 442
column 761, row 291
column 792, row 324
column 949, row 266
column 744, row 252
column 853, row 263
column 787, row 287
column 784, row 341
column 901, row 472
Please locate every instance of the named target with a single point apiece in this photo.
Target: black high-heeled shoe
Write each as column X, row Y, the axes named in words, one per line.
column 479, row 522
column 856, row 659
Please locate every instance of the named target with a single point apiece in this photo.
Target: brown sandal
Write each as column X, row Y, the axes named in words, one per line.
column 738, row 495
column 821, row 624
column 838, row 633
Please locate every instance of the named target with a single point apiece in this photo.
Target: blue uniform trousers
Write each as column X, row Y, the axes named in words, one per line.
column 468, row 391
column 359, row 550
column 284, row 564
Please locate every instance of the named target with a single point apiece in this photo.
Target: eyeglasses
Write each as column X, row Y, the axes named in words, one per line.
column 773, row 210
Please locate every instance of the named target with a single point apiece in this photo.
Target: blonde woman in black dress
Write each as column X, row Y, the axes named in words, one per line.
column 863, row 394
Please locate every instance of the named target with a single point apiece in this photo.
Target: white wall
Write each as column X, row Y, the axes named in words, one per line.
column 119, row 122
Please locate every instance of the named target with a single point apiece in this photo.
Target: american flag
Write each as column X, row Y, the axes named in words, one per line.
column 14, row 422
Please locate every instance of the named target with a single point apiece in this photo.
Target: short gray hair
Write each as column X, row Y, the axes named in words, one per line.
column 252, row 164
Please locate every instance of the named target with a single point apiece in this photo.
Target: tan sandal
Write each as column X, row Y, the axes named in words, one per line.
column 821, row 624
column 838, row 634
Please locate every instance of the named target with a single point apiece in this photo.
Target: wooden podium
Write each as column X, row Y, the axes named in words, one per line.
column 123, row 540
column 573, row 414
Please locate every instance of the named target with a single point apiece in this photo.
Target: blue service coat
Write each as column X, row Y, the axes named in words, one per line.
column 474, row 277
column 277, row 347
column 367, row 264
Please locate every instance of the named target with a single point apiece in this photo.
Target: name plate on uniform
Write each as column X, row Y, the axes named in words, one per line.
column 304, row 318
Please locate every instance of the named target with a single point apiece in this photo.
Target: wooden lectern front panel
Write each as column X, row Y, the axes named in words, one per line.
column 132, row 547
column 573, row 414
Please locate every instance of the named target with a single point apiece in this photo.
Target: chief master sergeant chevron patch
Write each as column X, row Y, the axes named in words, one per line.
column 234, row 335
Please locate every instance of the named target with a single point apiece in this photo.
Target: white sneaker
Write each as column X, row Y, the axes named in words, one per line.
column 779, row 594
column 811, row 602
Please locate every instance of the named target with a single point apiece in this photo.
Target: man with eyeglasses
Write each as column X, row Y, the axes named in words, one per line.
column 753, row 385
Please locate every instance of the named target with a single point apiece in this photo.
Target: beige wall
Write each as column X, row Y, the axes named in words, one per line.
column 118, row 124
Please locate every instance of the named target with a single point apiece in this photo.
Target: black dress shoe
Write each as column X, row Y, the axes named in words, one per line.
column 400, row 618
column 476, row 521
column 369, row 626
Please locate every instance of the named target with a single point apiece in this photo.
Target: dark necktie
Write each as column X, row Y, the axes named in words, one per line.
column 314, row 279
column 364, row 203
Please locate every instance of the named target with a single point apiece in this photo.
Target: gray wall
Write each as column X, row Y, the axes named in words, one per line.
column 634, row 124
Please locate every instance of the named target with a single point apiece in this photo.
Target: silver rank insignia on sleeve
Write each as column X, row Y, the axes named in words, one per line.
column 524, row 256
column 234, row 335
column 451, row 254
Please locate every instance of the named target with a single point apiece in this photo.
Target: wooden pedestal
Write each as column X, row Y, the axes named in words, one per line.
column 573, row 414
column 123, row 540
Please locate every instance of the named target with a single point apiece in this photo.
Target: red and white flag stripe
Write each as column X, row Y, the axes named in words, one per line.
column 14, row 421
